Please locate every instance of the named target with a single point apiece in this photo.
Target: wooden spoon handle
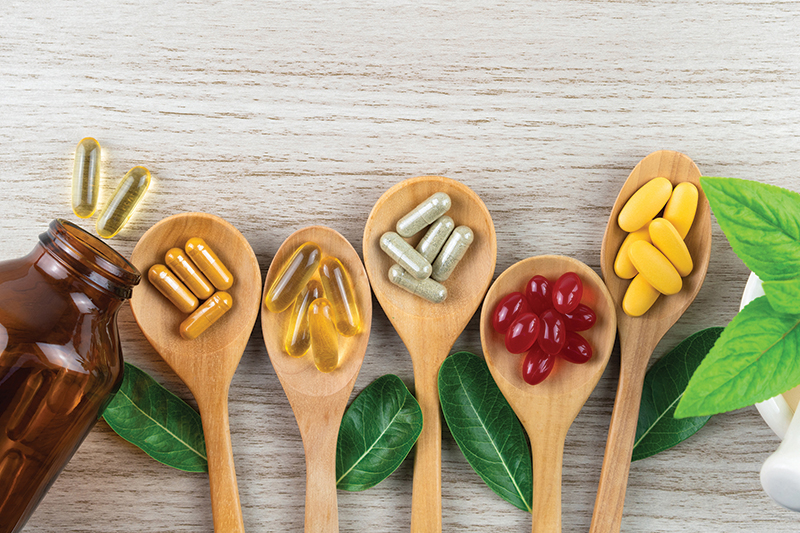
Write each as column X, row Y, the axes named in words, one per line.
column 322, row 511
column 548, row 455
column 426, row 496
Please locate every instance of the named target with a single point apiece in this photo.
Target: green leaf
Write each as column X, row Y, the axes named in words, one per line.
column 485, row 428
column 783, row 296
column 378, row 430
column 663, row 388
column 753, row 360
column 762, row 223
column 149, row 416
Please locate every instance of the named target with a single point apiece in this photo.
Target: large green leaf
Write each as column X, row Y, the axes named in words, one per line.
column 149, row 416
column 663, row 388
column 378, row 430
column 485, row 428
column 784, row 295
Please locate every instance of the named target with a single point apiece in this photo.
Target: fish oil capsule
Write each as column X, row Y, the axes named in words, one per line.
column 324, row 339
column 454, row 249
column 434, row 239
column 188, row 273
column 424, row 214
column 666, row 238
column 339, row 291
column 119, row 209
column 171, row 287
column 209, row 264
column 406, row 256
column 298, row 337
column 639, row 297
column 645, row 204
column 206, row 315
column 86, row 177
column 622, row 264
column 427, row 288
column 655, row 268
column 681, row 208
column 293, row 277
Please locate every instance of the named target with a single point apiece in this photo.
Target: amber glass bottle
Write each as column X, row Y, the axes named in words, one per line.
column 60, row 359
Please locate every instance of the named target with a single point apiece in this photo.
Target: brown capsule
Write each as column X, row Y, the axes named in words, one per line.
column 209, row 264
column 171, row 287
column 188, row 273
column 208, row 313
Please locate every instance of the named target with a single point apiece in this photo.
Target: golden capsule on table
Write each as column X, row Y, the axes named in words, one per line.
column 644, row 204
column 171, row 287
column 622, row 264
column 655, row 268
column 293, row 277
column 681, row 208
column 206, row 315
column 298, row 337
column 188, row 273
column 424, row 214
column 339, row 291
column 209, row 264
column 122, row 204
column 324, row 338
column 665, row 237
column 639, row 297
column 86, row 177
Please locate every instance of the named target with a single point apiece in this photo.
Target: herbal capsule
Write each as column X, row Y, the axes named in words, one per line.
column 669, row 242
column 209, row 264
column 293, row 277
column 406, row 256
column 188, row 273
column 122, row 205
column 298, row 338
column 171, row 287
column 622, row 264
column 324, row 339
column 645, row 204
column 435, row 238
column 681, row 208
column 431, row 290
column 424, row 214
column 454, row 249
column 86, row 177
column 639, row 297
column 339, row 291
column 655, row 268
column 205, row 315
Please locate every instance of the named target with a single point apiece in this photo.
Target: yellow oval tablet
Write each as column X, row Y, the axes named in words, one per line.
column 622, row 264
column 645, row 204
column 682, row 207
column 655, row 268
column 639, row 297
column 665, row 237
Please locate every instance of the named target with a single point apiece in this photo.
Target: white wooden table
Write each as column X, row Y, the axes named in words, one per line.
column 281, row 115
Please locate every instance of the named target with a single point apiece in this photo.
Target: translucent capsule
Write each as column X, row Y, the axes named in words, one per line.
column 209, row 264
column 427, row 288
column 171, row 287
column 434, row 239
column 666, row 238
column 424, row 214
column 537, row 365
column 681, row 208
column 454, row 249
column 406, row 256
column 206, row 315
column 639, row 297
column 293, row 277
column 655, row 268
column 622, row 264
column 645, row 204
column 339, row 291
column 188, row 273
column 123, row 203
column 324, row 339
column 298, row 337
column 86, row 177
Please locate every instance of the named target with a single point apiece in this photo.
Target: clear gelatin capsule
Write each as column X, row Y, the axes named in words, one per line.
column 298, row 337
column 188, row 273
column 86, row 177
column 405, row 255
column 293, row 277
column 430, row 245
column 427, row 288
column 424, row 214
column 339, row 291
column 454, row 249
column 171, row 287
column 324, row 338
column 206, row 315
column 209, row 264
column 123, row 203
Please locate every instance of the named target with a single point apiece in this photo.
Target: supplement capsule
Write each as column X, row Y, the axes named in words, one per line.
column 645, row 204
column 424, row 214
column 339, row 291
column 122, row 205
column 665, row 237
column 655, row 268
column 622, row 264
column 293, row 277
column 681, row 208
column 454, row 249
column 298, row 338
column 86, row 177
column 406, row 256
column 188, row 273
column 324, row 339
column 639, row 297
column 205, row 315
column 431, row 290
column 173, row 290
column 435, row 238
column 209, row 264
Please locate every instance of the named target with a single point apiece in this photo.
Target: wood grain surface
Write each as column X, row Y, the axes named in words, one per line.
column 280, row 115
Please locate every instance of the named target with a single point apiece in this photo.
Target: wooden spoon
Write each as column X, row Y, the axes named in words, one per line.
column 206, row 364
column 429, row 330
column 547, row 410
column 639, row 336
column 318, row 399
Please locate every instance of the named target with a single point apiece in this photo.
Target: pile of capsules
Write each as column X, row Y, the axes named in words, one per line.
column 324, row 305
column 654, row 254
column 86, row 186
column 422, row 270
column 544, row 323
column 189, row 278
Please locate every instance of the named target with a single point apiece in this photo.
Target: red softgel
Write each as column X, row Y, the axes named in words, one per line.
column 522, row 333
column 537, row 291
column 581, row 319
column 552, row 333
column 507, row 310
column 537, row 365
column 567, row 292
column 576, row 349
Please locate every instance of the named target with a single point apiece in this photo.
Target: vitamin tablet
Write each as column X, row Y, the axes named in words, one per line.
column 86, row 177
column 454, row 249
column 293, row 277
column 122, row 204
column 324, row 339
column 434, row 239
column 581, row 319
column 507, row 310
column 339, row 292
column 427, row 288
column 681, row 208
column 539, row 294
column 188, row 273
column 622, row 264
column 666, row 238
column 170, row 286
column 424, row 214
column 567, row 292
column 522, row 333
column 405, row 256
column 209, row 264
column 206, row 315
column 576, row 349
column 298, row 337
column 639, row 297
column 552, row 332
column 537, row 365
column 655, row 268
column 645, row 204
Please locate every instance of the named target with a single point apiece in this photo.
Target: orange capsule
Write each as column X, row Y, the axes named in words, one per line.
column 188, row 273
column 209, row 264
column 207, row 314
column 171, row 287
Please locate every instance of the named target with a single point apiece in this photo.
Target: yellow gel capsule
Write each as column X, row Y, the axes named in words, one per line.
column 188, row 273
column 206, row 315
column 119, row 209
column 681, row 208
column 655, row 268
column 639, row 297
column 622, row 264
column 665, row 237
column 324, row 339
column 339, row 291
column 298, row 338
column 209, row 264
column 293, row 277
column 171, row 287
column 86, row 177
column 645, row 204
